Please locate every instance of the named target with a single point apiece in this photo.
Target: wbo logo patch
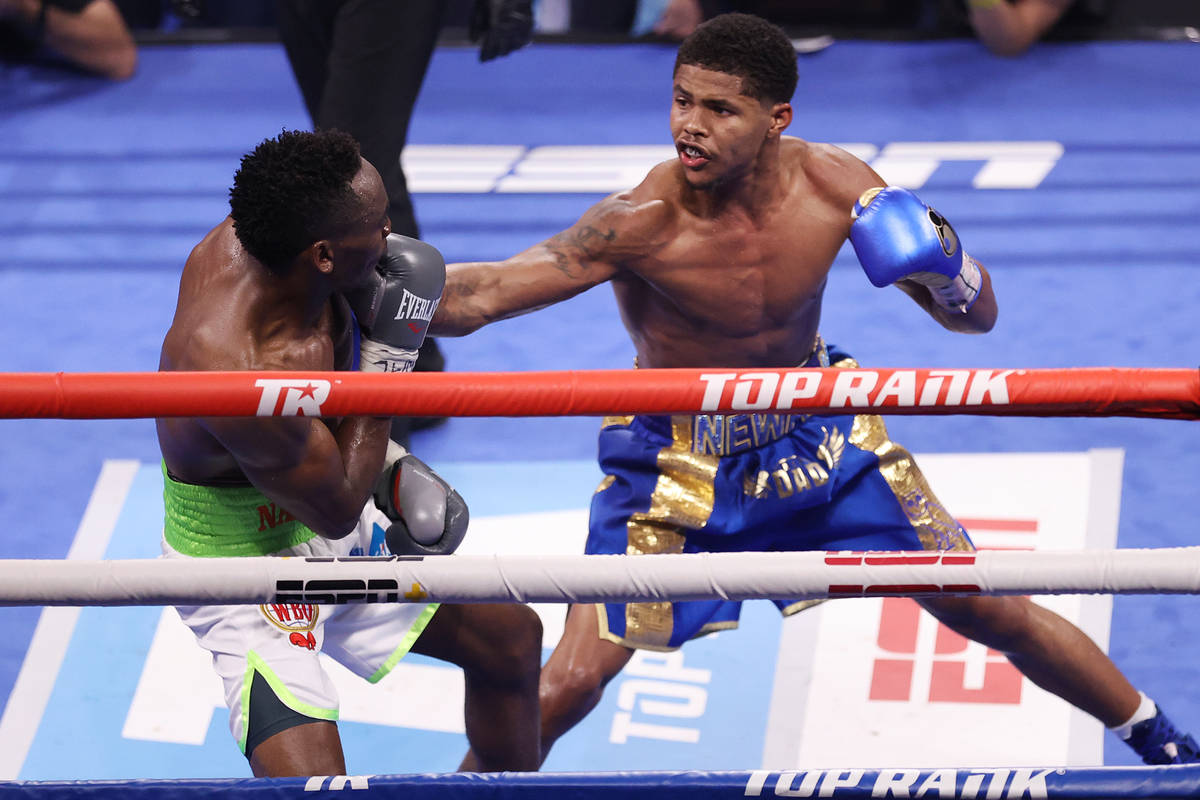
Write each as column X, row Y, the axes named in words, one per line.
column 296, row 619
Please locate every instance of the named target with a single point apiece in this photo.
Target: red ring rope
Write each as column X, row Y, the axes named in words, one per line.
column 1088, row 391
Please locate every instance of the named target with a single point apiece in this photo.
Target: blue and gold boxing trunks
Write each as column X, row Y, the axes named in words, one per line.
column 752, row 482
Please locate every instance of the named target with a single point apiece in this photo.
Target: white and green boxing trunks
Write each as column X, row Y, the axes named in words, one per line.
column 267, row 655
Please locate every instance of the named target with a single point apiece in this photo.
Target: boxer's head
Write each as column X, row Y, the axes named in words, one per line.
column 733, row 82
column 300, row 188
column 747, row 47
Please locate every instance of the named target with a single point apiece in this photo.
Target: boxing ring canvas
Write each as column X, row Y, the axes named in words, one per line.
column 1071, row 173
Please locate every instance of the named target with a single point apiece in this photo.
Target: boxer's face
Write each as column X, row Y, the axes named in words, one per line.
column 361, row 248
column 718, row 131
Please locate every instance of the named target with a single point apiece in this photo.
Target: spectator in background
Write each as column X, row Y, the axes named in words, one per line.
column 676, row 19
column 670, row 19
column 89, row 34
column 1009, row 28
column 360, row 65
column 169, row 16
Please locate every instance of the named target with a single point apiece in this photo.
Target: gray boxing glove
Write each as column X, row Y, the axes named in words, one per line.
column 428, row 517
column 394, row 308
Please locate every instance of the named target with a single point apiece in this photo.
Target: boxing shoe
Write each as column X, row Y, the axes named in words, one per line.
column 1158, row 741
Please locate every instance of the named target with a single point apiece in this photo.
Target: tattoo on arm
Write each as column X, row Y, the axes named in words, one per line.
column 461, row 288
column 590, row 240
column 588, row 244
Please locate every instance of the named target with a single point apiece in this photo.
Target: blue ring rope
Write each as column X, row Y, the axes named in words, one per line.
column 991, row 783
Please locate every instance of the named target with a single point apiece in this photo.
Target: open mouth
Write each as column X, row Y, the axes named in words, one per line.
column 692, row 156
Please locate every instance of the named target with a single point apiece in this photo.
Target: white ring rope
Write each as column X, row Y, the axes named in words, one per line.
column 583, row 579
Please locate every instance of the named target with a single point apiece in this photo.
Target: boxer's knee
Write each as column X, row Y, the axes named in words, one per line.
column 498, row 642
column 516, row 653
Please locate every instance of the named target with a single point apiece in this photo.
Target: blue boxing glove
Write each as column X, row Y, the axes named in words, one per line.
column 395, row 306
column 428, row 517
column 896, row 236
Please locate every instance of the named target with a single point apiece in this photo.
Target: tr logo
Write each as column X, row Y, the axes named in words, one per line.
column 302, row 397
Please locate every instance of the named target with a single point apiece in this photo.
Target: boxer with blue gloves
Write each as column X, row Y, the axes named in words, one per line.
column 719, row 259
column 898, row 237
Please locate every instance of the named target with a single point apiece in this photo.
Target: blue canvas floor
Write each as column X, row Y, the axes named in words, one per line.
column 105, row 188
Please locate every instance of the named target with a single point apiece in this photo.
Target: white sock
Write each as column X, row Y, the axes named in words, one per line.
column 1145, row 710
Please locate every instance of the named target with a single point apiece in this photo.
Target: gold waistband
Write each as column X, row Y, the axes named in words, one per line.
column 727, row 434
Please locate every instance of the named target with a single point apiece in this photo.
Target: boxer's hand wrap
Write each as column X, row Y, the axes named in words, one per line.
column 394, row 308
column 896, row 236
column 428, row 517
column 503, row 25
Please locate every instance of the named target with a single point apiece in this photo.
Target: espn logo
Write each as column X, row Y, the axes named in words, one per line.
column 337, row 591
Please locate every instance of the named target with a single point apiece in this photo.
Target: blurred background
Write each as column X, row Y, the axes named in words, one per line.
column 593, row 20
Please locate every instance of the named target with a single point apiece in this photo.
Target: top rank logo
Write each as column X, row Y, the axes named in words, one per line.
column 853, row 388
column 994, row 784
column 302, row 397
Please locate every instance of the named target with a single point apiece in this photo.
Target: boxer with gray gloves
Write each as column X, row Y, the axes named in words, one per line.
column 393, row 311
column 394, row 308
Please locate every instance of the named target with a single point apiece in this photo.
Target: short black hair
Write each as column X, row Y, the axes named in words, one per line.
column 292, row 190
column 757, row 51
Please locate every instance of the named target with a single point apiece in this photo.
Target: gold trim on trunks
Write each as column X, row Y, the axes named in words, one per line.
column 801, row 605
column 935, row 527
column 682, row 499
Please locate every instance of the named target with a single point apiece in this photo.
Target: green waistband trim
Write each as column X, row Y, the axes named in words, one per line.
column 216, row 521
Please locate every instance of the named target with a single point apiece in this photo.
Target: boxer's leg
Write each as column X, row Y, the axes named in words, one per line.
column 313, row 748
column 1063, row 660
column 1046, row 648
column 576, row 673
column 499, row 647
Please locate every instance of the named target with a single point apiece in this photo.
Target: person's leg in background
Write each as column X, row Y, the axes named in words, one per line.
column 360, row 65
column 306, row 30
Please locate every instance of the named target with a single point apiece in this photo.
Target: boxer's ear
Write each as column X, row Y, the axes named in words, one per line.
column 781, row 118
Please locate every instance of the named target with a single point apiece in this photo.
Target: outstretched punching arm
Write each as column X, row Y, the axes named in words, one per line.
column 588, row 253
